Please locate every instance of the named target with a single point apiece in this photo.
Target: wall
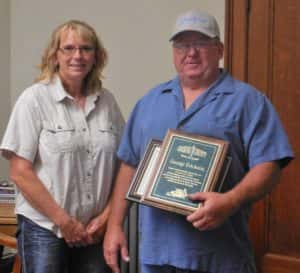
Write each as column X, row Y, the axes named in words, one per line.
column 135, row 32
column 4, row 76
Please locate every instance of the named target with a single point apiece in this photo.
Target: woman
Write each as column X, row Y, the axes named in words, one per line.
column 61, row 141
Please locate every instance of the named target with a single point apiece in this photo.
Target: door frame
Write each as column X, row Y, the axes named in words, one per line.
column 249, row 57
column 236, row 60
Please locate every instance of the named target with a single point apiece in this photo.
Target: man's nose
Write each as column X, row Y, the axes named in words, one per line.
column 191, row 50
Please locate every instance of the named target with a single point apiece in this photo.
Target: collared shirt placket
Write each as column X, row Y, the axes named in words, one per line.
column 89, row 167
column 87, row 179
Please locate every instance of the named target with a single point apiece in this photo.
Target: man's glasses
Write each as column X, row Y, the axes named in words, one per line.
column 183, row 47
column 71, row 50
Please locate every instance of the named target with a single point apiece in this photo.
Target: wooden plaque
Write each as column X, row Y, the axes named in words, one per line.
column 185, row 164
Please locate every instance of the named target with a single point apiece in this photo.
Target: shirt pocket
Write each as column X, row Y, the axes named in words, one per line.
column 221, row 127
column 59, row 138
column 108, row 138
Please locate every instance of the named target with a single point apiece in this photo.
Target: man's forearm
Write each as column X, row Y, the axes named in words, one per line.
column 256, row 184
column 119, row 204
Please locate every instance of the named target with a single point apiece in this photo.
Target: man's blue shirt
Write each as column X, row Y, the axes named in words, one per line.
column 229, row 110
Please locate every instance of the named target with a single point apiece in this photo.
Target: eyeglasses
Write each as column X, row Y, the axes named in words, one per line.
column 71, row 50
column 183, row 47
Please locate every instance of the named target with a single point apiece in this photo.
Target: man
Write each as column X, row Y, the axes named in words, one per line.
column 205, row 100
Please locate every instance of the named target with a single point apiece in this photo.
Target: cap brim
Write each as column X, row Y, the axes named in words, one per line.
column 195, row 30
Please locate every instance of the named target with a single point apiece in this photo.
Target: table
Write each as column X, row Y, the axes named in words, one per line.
column 8, row 222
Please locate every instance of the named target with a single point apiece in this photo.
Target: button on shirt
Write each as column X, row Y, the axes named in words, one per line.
column 73, row 151
column 228, row 110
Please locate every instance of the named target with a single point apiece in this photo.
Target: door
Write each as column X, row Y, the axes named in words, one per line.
column 263, row 48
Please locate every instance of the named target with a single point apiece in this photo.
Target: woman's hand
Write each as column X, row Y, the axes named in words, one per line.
column 73, row 232
column 96, row 228
column 35, row 192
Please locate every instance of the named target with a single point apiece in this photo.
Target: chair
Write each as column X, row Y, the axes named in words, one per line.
column 10, row 241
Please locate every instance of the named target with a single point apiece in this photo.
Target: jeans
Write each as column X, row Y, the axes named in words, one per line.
column 41, row 251
column 145, row 268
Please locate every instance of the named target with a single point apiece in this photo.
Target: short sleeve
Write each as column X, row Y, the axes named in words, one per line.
column 22, row 133
column 265, row 137
column 118, row 119
column 129, row 149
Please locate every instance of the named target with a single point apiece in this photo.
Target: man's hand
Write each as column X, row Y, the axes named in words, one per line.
column 115, row 241
column 216, row 207
column 214, row 210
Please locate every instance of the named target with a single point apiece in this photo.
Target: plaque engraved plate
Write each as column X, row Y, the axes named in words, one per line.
column 185, row 164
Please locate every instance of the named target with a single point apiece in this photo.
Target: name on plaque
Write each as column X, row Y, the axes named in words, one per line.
column 180, row 165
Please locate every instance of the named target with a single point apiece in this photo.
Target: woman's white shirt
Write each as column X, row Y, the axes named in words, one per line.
column 73, row 151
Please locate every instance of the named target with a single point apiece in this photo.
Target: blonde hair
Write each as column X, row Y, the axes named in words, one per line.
column 49, row 66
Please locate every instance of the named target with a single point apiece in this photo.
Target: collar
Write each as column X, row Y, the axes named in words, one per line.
column 216, row 87
column 60, row 94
